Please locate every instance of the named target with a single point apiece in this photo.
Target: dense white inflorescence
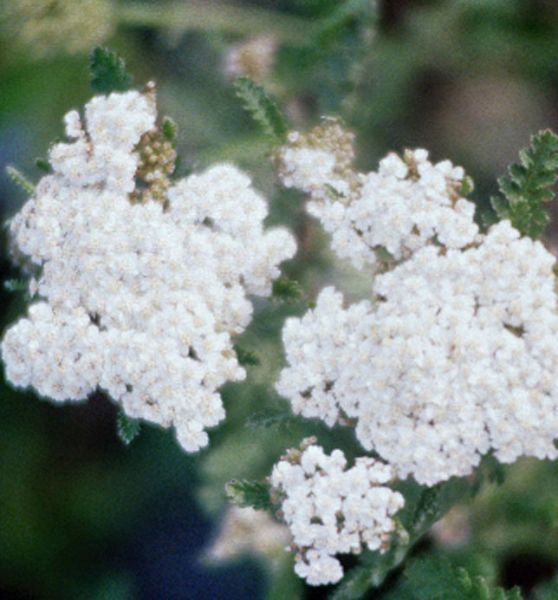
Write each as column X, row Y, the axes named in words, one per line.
column 408, row 203
column 456, row 354
column 457, row 357
column 333, row 510
column 138, row 299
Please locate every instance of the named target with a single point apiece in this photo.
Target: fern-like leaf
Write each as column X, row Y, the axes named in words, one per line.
column 108, row 72
column 528, row 186
column 263, row 109
column 434, row 577
column 246, row 492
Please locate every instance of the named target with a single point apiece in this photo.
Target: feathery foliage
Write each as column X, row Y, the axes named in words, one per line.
column 247, row 492
column 262, row 108
column 435, row 578
column 528, row 186
column 108, row 72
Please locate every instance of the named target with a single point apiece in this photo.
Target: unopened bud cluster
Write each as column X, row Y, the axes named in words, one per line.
column 157, row 160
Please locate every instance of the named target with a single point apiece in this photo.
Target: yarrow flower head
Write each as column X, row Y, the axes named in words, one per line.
column 140, row 293
column 455, row 354
column 408, row 203
column 333, row 510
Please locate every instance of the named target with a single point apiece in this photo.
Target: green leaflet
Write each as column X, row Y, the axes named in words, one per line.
column 127, row 428
column 262, row 108
column 435, row 578
column 528, row 186
column 247, row 492
column 108, row 72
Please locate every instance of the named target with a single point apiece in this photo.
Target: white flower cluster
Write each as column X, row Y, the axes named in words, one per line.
column 403, row 206
column 458, row 356
column 333, row 510
column 139, row 300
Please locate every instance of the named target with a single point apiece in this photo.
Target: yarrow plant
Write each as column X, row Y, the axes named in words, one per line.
column 455, row 355
column 140, row 283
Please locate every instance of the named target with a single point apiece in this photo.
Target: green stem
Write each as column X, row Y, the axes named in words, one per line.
column 206, row 16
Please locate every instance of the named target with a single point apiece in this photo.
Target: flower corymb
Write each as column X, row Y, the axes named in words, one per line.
column 139, row 294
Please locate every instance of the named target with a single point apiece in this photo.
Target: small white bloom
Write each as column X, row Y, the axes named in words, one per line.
column 328, row 514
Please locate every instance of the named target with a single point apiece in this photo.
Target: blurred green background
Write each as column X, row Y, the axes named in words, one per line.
column 84, row 517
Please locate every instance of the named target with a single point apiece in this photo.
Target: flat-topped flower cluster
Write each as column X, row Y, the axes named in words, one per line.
column 333, row 510
column 456, row 353
column 138, row 299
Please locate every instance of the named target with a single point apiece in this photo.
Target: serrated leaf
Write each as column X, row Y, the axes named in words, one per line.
column 246, row 357
column 528, row 186
column 287, row 289
column 108, row 72
column 247, row 492
column 434, row 577
column 127, row 428
column 20, row 180
column 262, row 108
